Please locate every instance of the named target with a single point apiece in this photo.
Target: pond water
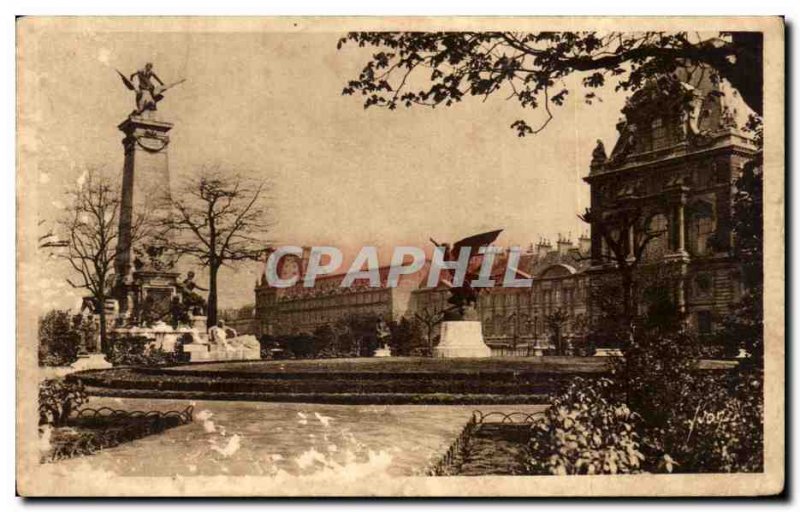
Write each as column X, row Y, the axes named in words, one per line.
column 257, row 438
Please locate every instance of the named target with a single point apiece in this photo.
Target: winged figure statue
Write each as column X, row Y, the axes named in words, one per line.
column 148, row 94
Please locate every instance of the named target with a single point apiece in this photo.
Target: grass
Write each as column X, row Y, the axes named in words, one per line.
column 492, row 449
column 328, row 398
column 408, row 365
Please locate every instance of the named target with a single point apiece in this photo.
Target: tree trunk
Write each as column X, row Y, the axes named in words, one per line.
column 104, row 349
column 627, row 303
column 211, row 319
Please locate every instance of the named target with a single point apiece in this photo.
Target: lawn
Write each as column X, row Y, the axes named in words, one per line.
column 410, row 365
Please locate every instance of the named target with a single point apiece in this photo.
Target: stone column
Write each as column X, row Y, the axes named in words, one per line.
column 681, row 226
column 631, row 243
column 145, row 189
column 678, row 254
column 677, row 201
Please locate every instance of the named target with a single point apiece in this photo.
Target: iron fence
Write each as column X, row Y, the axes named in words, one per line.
column 449, row 463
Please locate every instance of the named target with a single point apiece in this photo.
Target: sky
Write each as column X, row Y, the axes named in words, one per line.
column 269, row 105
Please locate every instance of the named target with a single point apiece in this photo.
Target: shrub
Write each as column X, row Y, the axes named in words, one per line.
column 691, row 420
column 731, row 438
column 406, row 338
column 57, row 400
column 136, row 351
column 59, row 338
column 718, row 427
column 658, row 373
column 586, row 431
column 584, row 346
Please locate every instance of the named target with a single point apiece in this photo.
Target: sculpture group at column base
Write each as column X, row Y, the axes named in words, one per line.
column 383, row 351
column 199, row 352
column 194, row 342
column 461, row 338
column 239, row 348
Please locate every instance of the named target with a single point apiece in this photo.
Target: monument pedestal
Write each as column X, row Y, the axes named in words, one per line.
column 384, row 351
column 608, row 352
column 461, row 338
column 91, row 362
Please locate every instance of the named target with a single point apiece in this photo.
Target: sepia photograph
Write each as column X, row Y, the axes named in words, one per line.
column 400, row 257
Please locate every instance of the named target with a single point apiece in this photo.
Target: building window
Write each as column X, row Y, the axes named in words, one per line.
column 701, row 228
column 702, row 285
column 524, row 325
column 704, row 323
column 489, row 326
column 660, row 134
column 657, row 246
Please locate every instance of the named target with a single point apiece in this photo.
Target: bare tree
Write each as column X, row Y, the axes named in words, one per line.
column 429, row 319
column 91, row 232
column 626, row 232
column 556, row 321
column 219, row 219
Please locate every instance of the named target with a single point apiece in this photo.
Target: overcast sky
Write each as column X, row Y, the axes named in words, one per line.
column 270, row 105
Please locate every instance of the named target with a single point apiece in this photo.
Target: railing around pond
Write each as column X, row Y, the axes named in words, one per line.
column 185, row 416
column 91, row 430
column 453, row 458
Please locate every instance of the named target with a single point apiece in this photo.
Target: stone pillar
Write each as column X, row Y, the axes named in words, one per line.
column 681, row 226
column 677, row 221
column 678, row 254
column 145, row 190
column 631, row 243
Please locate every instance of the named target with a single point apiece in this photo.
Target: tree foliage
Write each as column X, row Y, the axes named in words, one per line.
column 443, row 68
column 587, row 431
column 743, row 327
column 626, row 234
column 61, row 337
column 58, row 399
column 407, row 338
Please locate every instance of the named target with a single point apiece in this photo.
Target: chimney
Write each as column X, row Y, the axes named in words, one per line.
column 564, row 245
column 304, row 260
column 542, row 248
column 585, row 244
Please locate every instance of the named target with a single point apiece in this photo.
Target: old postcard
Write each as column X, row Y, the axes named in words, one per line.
column 400, row 256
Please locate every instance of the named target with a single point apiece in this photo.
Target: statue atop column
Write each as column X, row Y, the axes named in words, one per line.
column 147, row 93
column 145, row 280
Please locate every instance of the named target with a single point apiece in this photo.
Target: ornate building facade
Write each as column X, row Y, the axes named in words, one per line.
column 297, row 309
column 678, row 154
column 514, row 319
